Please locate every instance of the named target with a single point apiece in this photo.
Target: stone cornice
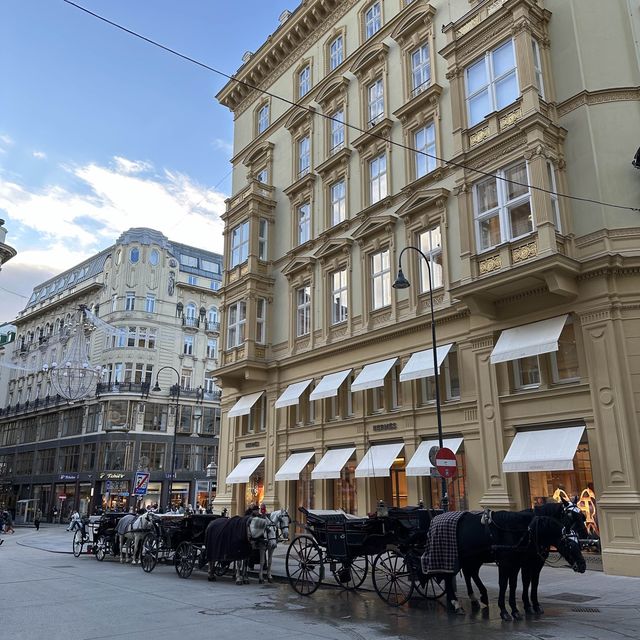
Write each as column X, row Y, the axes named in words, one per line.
column 601, row 96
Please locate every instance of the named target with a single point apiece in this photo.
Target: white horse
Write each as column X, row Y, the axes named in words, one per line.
column 277, row 529
column 131, row 531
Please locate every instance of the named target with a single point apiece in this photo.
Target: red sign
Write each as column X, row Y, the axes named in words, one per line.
column 446, row 463
column 62, row 497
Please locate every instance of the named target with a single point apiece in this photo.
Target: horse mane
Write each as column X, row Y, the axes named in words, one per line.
column 550, row 510
column 512, row 520
column 546, row 531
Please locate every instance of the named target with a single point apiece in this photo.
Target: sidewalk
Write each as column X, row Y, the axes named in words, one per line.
column 592, row 589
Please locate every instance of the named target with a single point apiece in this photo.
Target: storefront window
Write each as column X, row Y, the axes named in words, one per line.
column 305, row 492
column 254, row 489
column 345, row 494
column 179, row 494
column 151, row 500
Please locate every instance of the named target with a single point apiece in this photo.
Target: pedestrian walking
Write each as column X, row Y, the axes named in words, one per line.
column 8, row 522
column 36, row 519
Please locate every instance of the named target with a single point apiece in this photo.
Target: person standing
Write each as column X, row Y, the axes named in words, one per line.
column 36, row 519
column 8, row 522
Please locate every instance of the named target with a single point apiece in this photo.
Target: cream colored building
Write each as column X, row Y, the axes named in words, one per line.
column 157, row 305
column 451, row 127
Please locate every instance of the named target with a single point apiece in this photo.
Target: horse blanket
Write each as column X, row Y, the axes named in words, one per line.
column 441, row 552
column 227, row 539
column 125, row 524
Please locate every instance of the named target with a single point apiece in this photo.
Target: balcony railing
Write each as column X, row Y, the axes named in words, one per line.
column 31, row 405
column 213, row 326
column 190, row 322
column 122, row 387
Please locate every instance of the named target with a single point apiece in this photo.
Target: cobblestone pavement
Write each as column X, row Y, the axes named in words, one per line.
column 54, row 595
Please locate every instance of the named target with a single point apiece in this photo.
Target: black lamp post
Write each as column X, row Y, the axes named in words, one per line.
column 402, row 283
column 175, row 387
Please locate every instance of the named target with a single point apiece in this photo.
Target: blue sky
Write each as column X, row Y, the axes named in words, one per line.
column 100, row 131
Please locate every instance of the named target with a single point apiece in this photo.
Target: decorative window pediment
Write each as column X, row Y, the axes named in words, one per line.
column 369, row 143
column 423, row 202
column 301, row 188
column 299, row 120
column 299, row 267
column 370, row 61
column 379, row 226
column 411, row 28
column 333, row 247
column 334, row 164
column 333, row 94
column 420, row 108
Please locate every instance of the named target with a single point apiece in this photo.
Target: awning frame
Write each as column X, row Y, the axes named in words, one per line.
column 246, row 467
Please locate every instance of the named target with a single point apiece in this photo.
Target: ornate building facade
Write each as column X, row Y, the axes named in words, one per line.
column 155, row 311
column 456, row 128
column 6, row 251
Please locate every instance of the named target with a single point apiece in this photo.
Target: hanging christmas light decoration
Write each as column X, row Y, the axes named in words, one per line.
column 74, row 378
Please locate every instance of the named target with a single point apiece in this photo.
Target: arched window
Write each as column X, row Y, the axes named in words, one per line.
column 191, row 311
column 213, row 314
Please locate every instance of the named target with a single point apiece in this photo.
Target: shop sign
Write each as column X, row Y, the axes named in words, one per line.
column 385, row 426
column 251, row 445
column 68, row 476
column 111, row 476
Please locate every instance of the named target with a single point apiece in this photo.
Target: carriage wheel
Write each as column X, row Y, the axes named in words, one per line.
column 431, row 590
column 149, row 558
column 220, row 568
column 99, row 548
column 352, row 573
column 78, row 541
column 304, row 565
column 184, row 559
column 392, row 578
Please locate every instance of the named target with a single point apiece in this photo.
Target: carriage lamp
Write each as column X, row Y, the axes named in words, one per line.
column 401, row 282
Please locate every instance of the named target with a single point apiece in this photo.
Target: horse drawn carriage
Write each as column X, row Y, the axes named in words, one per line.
column 99, row 534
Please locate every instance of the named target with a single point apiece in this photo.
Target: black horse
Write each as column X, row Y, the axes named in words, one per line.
column 510, row 539
column 572, row 520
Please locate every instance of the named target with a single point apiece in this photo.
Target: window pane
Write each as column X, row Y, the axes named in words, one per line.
column 520, row 219
column 506, row 91
column 503, row 60
column 489, row 232
column 517, row 174
column 487, row 194
column 479, row 107
column 529, row 371
column 476, row 77
column 567, row 355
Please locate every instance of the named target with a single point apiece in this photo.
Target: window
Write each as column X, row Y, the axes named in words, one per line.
column 142, row 337
column 187, row 346
column 130, row 301
column 215, row 285
column 212, row 317
column 262, row 176
column 185, row 378
column 237, row 321
column 564, row 361
column 304, row 223
column 212, row 348
column 491, row 83
column 193, row 280
column 378, row 178
column 336, row 53
column 155, row 417
column 190, row 311
column 151, row 344
column 154, row 257
column 430, row 243
column 537, row 66
column 304, row 156
column 375, row 101
column 303, row 311
column 263, row 117
column 150, row 305
column 239, row 244
column 261, row 315
column 131, row 337
column 339, row 296
column 336, row 131
column 420, row 69
column 209, row 265
column 114, row 307
column 372, row 20
column 381, row 279
column 503, row 209
column 553, row 186
column 209, row 382
column 134, row 255
column 526, row 372
column 263, row 227
column 448, row 379
column 188, row 261
column 304, row 81
column 154, row 454
column 424, row 141
column 338, row 202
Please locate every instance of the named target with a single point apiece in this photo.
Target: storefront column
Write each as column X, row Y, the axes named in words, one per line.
column 363, row 485
column 609, row 341
column 414, row 491
column 496, row 491
column 226, row 461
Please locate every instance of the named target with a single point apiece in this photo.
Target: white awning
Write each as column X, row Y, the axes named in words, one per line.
column 528, row 340
column 378, row 460
column 420, row 364
column 329, row 385
column 332, row 463
column 243, row 406
column 243, row 470
column 292, row 393
column 373, row 375
column 419, row 465
column 293, row 465
column 544, row 450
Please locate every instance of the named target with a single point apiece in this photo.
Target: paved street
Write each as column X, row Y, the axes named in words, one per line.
column 51, row 595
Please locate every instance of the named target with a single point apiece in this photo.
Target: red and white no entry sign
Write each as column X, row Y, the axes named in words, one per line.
column 446, row 463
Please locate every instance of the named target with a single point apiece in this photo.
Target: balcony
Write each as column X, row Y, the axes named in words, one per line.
column 190, row 323
column 31, row 405
column 212, row 327
column 142, row 388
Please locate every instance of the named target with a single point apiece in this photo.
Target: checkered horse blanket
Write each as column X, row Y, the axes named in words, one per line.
column 441, row 552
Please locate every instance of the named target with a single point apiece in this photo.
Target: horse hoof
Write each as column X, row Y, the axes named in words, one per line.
column 528, row 611
column 538, row 610
column 505, row 616
column 238, row 582
column 475, row 605
column 269, row 579
column 516, row 615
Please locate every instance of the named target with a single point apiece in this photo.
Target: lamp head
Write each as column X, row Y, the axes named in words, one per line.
column 157, row 387
column 401, row 282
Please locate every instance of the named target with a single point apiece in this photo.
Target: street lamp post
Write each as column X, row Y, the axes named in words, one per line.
column 175, row 423
column 402, row 283
column 212, row 473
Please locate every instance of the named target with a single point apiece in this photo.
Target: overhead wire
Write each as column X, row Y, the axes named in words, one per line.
column 375, row 135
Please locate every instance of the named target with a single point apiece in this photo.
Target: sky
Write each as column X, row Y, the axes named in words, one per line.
column 101, row 132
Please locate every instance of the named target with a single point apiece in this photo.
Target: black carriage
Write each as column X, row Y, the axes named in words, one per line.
column 99, row 534
column 397, row 570
column 336, row 540
column 192, row 551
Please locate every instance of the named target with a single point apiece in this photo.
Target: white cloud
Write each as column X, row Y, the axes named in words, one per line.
column 223, row 145
column 41, row 155
column 68, row 226
column 5, row 141
column 131, row 166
